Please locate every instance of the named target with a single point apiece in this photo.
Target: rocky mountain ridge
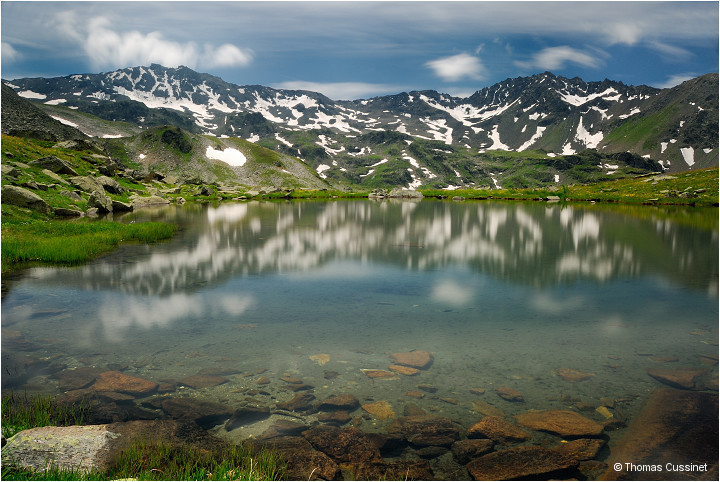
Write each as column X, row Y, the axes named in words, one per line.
column 416, row 138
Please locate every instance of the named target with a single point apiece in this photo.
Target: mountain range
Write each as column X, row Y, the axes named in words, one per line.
column 522, row 132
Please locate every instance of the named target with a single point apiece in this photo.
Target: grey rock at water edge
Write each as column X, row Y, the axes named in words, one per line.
column 70, row 448
column 143, row 201
column 100, row 201
column 18, row 196
column 68, row 213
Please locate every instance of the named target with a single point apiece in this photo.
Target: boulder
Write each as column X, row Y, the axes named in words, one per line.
column 9, row 171
column 119, row 206
column 100, row 201
column 144, row 201
column 18, row 196
column 72, row 195
column 81, row 448
column 110, row 185
column 521, row 462
column 68, row 213
column 497, row 429
column 98, row 447
column 87, row 183
column 55, row 164
column 564, row 423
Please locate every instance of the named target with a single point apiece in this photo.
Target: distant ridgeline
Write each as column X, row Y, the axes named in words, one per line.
column 522, row 132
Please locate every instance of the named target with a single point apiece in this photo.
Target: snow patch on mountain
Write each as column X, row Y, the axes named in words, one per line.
column 29, row 94
column 578, row 100
column 688, row 154
column 538, row 134
column 228, row 155
column 590, row 140
column 495, row 137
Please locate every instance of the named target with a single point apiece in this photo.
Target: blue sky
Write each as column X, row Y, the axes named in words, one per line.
column 352, row 50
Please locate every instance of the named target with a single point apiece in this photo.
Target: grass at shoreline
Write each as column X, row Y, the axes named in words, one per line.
column 27, row 241
column 142, row 460
column 691, row 188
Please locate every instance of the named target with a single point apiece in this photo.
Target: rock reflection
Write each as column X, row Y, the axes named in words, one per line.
column 531, row 244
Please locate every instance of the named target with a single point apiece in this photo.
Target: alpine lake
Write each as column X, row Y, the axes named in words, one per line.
column 431, row 309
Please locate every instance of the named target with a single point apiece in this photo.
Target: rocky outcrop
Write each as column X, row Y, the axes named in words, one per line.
column 55, row 164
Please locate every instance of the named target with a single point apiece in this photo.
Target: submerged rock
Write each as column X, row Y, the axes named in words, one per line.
column 581, row 449
column 415, row 359
column 382, row 409
column 114, row 381
column 572, row 375
column 687, row 378
column 423, row 431
column 509, row 394
column 203, row 381
column 497, row 429
column 564, row 423
column 344, row 401
column 465, row 450
column 298, row 403
column 343, row 444
column 517, row 462
column 680, row 426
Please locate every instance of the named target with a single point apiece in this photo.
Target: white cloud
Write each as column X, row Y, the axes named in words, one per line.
column 227, row 55
column 553, row 58
column 107, row 47
column 676, row 79
column 9, row 54
column 342, row 90
column 457, row 67
column 670, row 52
